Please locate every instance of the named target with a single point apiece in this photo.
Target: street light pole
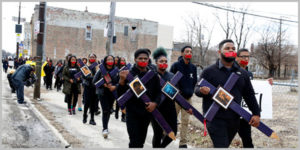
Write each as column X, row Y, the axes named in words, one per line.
column 17, row 50
column 40, row 48
column 111, row 22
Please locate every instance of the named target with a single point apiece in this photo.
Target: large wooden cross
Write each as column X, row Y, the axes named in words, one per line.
column 219, row 93
column 156, row 114
column 107, row 77
column 85, row 70
column 175, row 95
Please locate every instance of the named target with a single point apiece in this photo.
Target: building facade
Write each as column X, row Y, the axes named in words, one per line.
column 82, row 33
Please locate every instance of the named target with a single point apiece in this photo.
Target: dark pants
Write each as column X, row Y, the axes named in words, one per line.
column 58, row 83
column 107, row 102
column 19, row 86
column 169, row 113
column 222, row 131
column 137, row 126
column 245, row 134
column 117, row 111
column 10, row 83
column 5, row 69
column 48, row 80
column 72, row 99
column 90, row 101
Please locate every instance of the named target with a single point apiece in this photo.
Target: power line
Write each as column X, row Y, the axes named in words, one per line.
column 210, row 5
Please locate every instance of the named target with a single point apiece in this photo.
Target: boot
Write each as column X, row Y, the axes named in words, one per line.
column 92, row 122
column 84, row 118
column 70, row 112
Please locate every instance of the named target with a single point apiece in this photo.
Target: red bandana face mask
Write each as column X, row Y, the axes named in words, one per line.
column 92, row 60
column 110, row 63
column 122, row 63
column 143, row 64
column 73, row 62
column 163, row 66
column 230, row 54
column 244, row 62
column 188, row 56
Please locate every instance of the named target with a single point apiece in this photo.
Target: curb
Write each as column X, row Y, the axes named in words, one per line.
column 52, row 128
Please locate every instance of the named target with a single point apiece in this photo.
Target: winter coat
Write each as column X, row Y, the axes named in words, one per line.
column 68, row 73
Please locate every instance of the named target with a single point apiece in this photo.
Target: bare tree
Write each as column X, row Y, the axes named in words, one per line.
column 237, row 26
column 196, row 30
column 227, row 27
column 267, row 51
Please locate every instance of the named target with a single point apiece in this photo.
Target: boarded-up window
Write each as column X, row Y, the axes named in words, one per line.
column 134, row 33
column 126, row 31
column 88, row 32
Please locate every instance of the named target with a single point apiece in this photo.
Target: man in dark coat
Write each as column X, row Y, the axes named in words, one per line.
column 49, row 69
column 23, row 73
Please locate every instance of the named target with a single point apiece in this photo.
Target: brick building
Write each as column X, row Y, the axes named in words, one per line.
column 82, row 32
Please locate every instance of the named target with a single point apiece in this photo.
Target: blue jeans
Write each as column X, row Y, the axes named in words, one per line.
column 19, row 86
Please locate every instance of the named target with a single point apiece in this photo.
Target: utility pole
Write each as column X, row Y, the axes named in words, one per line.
column 279, row 61
column 110, row 32
column 17, row 51
column 40, row 48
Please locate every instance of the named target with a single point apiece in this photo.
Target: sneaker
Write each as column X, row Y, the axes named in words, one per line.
column 92, row 122
column 24, row 102
column 97, row 113
column 84, row 119
column 105, row 133
column 183, row 146
column 73, row 111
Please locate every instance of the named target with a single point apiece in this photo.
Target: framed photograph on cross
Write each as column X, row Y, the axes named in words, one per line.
column 223, row 97
column 137, row 87
column 107, row 78
column 170, row 90
column 85, row 70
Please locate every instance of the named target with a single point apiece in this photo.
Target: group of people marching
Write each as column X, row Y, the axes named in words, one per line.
column 221, row 129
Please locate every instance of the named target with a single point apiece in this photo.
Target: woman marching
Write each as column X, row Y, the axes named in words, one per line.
column 104, row 93
column 71, row 87
column 90, row 98
column 166, row 107
column 121, row 63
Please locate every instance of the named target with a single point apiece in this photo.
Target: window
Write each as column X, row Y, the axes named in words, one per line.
column 88, row 32
column 133, row 34
column 126, row 31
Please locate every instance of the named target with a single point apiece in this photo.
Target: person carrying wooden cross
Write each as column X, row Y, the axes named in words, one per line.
column 225, row 124
column 138, row 114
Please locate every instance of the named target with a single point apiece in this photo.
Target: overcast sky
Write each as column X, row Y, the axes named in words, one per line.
column 167, row 13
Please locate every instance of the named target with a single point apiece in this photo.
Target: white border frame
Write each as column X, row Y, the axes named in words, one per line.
column 168, row 83
column 216, row 100
column 132, row 89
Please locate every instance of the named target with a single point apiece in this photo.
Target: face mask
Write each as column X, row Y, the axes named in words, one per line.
column 73, row 62
column 245, row 63
column 122, row 63
column 188, row 56
column 110, row 63
column 143, row 64
column 163, row 66
column 229, row 56
column 92, row 60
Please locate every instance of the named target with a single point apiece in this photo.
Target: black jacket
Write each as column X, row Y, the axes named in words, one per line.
column 49, row 70
column 217, row 74
column 187, row 83
column 101, row 91
column 135, row 105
